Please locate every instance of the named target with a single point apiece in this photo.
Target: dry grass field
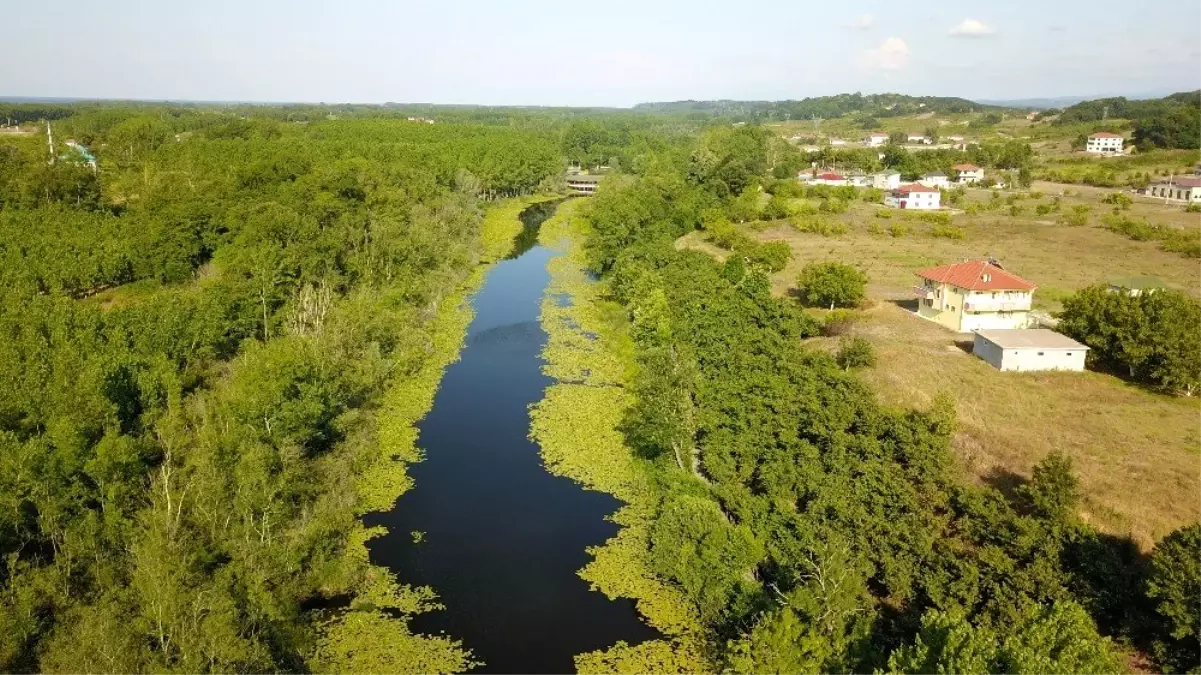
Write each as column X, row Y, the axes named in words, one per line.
column 1138, row 453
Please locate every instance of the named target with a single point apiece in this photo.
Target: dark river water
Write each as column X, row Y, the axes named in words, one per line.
column 503, row 539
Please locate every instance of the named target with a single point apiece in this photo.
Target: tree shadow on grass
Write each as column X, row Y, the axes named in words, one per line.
column 907, row 304
column 1006, row 482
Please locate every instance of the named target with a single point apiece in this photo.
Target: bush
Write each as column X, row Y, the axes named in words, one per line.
column 1118, row 199
column 839, row 322
column 898, row 230
column 972, row 208
column 948, row 232
column 1077, row 216
column 1015, row 210
column 820, row 226
column 875, row 228
column 774, row 255
column 871, row 195
column 725, row 234
column 884, row 214
column 1174, row 585
column 855, row 352
column 831, row 284
column 1193, row 208
column 1044, row 209
column 832, row 206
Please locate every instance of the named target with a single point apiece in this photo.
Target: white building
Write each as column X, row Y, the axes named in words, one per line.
column 1186, row 189
column 955, row 139
column 1029, row 349
column 580, row 184
column 837, row 142
column 859, row 180
column 968, row 174
column 916, row 197
column 935, row 179
column 1104, row 143
column 972, row 295
column 886, row 180
column 918, row 138
column 875, row 139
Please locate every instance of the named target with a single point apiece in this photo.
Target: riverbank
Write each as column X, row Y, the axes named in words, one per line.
column 590, row 357
column 374, row 635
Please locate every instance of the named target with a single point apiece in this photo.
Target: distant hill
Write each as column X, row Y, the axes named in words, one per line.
column 1120, row 107
column 1046, row 103
column 825, row 107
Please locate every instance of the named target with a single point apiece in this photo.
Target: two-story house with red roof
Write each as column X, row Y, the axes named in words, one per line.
column 914, row 197
column 974, row 295
column 1104, row 143
column 967, row 174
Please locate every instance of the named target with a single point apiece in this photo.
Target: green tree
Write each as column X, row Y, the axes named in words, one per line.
column 831, row 284
column 855, row 352
column 1053, row 491
column 1174, row 585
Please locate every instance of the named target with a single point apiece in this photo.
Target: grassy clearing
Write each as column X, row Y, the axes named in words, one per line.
column 1136, row 452
column 589, row 355
column 1059, row 258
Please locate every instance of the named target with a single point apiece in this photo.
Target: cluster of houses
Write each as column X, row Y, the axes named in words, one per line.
column 982, row 298
column 1178, row 189
column 924, row 194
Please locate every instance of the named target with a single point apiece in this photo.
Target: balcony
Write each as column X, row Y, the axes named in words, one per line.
column 997, row 305
column 924, row 293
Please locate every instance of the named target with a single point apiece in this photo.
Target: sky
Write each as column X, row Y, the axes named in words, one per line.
column 592, row 52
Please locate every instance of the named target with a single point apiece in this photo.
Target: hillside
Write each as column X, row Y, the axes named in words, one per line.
column 873, row 105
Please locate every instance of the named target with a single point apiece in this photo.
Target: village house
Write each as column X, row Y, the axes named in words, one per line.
column 916, row 197
column 875, row 139
column 837, row 142
column 812, row 177
column 918, row 138
column 886, row 180
column 968, row 174
column 1029, row 349
column 935, row 179
column 974, row 295
column 1104, row 143
column 954, row 139
column 1184, row 189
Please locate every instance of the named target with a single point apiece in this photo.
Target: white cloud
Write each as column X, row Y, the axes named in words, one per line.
column 862, row 22
column 971, row 28
column 892, row 54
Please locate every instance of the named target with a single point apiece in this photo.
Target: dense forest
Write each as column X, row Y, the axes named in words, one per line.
column 199, row 339
column 206, row 332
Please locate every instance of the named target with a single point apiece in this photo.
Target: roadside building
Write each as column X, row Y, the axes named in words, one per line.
column 859, row 180
column 1029, row 349
column 1183, row 189
column 1104, row 143
column 954, row 139
column 837, row 142
column 886, row 180
column 875, row 139
column 966, row 174
column 918, row 138
column 973, row 295
column 935, row 179
column 915, row 197
column 583, row 185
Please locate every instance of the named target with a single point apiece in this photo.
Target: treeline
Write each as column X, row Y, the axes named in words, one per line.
column 1153, row 336
column 816, row 530
column 825, row 107
column 184, row 461
column 1169, row 122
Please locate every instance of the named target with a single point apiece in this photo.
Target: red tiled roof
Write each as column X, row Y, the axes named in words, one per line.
column 1104, row 134
column 915, row 187
column 966, row 167
column 1186, row 181
column 830, row 176
column 970, row 275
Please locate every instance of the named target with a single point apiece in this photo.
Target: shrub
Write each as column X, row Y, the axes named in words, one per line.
column 839, row 322
column 1015, row 210
column 972, row 208
column 831, row 284
column 820, row 226
column 855, row 352
column 1035, row 194
column 774, row 255
column 1077, row 216
column 872, row 195
column 875, row 228
column 884, row 214
column 1118, row 199
column 1193, row 208
column 898, row 230
column 948, row 232
column 1174, row 584
column 834, row 205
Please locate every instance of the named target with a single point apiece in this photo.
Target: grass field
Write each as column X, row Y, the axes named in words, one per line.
column 1137, row 452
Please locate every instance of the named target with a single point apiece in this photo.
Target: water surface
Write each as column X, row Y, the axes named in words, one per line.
column 503, row 539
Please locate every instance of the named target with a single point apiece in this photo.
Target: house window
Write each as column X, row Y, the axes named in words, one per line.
column 1040, row 353
column 1069, row 353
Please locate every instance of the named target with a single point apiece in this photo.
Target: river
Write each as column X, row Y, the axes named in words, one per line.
column 502, row 538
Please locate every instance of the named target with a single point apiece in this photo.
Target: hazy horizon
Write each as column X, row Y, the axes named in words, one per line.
column 540, row 53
